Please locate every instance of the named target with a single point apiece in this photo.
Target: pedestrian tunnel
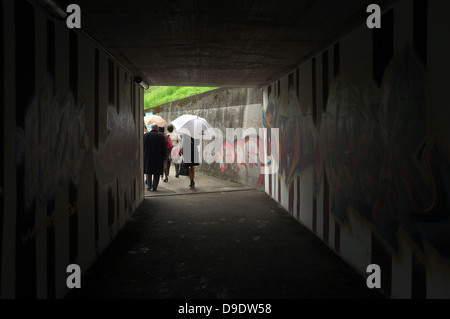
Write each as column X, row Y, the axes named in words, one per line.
column 361, row 153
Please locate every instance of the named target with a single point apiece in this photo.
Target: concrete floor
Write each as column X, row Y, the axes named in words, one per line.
column 203, row 184
column 220, row 240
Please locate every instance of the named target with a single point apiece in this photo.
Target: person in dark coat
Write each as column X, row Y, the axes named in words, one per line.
column 154, row 154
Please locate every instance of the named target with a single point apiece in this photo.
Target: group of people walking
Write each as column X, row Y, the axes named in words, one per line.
column 158, row 150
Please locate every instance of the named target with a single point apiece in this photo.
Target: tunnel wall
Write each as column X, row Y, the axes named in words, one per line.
column 365, row 146
column 226, row 108
column 72, row 151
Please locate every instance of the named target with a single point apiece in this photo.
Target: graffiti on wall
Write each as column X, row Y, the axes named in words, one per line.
column 380, row 158
column 52, row 145
column 117, row 158
column 243, row 158
column 299, row 144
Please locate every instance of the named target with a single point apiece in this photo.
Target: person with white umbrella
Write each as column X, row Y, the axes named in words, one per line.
column 194, row 128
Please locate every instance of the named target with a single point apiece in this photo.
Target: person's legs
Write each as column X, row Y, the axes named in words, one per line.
column 155, row 182
column 191, row 172
column 190, row 176
column 169, row 162
column 177, row 170
column 166, row 170
column 149, row 181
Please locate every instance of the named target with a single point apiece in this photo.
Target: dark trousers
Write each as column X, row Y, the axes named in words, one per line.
column 177, row 169
column 152, row 183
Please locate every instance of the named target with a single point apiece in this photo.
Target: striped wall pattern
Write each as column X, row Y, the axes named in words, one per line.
column 303, row 105
column 65, row 104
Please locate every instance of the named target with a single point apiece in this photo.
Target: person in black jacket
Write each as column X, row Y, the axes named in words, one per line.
column 155, row 152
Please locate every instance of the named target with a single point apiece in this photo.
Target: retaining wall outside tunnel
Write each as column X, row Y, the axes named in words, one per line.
column 364, row 154
column 72, row 151
column 226, row 109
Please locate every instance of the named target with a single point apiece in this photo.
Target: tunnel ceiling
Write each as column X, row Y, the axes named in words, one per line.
column 217, row 43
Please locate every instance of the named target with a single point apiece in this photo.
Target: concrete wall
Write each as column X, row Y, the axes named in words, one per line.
column 365, row 147
column 72, row 151
column 227, row 108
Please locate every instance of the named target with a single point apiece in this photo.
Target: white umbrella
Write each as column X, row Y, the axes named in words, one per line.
column 194, row 126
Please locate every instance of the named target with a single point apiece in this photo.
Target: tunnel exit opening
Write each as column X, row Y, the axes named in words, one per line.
column 241, row 150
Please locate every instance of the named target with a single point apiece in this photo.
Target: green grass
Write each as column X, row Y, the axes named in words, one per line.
column 157, row 95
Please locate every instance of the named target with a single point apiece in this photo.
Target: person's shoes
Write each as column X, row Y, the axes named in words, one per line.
column 154, row 189
column 166, row 180
column 177, row 176
column 148, row 188
column 192, row 184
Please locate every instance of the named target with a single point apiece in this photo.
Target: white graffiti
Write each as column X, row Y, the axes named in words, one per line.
column 53, row 143
column 117, row 159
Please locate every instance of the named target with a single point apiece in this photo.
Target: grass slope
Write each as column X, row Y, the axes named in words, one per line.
column 157, row 95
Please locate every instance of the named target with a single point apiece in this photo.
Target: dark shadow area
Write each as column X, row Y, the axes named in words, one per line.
column 231, row 245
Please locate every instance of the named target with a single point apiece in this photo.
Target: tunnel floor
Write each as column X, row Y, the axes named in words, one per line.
column 224, row 241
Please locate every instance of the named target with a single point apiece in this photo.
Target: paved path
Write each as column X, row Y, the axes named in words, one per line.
column 218, row 241
column 203, row 184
